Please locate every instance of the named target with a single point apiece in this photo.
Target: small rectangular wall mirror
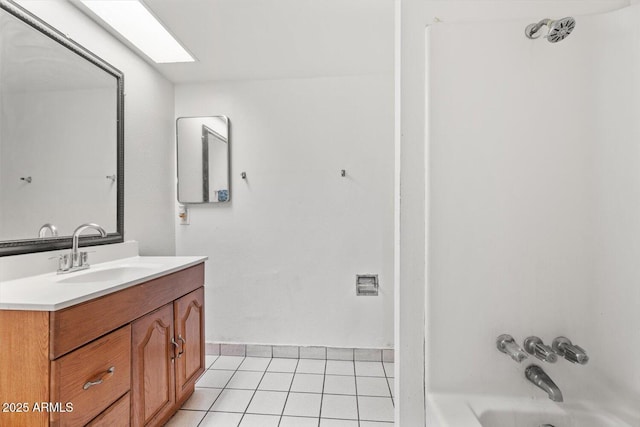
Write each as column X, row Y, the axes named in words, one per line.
column 203, row 159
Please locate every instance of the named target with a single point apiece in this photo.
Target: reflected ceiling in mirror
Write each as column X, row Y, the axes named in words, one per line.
column 61, row 137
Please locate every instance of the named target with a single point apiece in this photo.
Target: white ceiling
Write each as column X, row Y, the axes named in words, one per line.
column 273, row 39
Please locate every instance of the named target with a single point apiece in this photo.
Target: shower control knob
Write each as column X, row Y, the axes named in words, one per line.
column 562, row 346
column 535, row 347
column 507, row 345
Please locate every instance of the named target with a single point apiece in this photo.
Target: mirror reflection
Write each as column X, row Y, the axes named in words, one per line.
column 203, row 159
column 60, row 109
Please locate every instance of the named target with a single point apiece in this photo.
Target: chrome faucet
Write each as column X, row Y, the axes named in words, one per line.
column 575, row 354
column 535, row 347
column 43, row 230
column 77, row 260
column 537, row 376
column 507, row 345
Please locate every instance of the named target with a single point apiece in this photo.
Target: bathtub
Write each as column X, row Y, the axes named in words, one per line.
column 456, row 410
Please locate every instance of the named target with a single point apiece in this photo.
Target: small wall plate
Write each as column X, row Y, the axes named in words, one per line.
column 367, row 284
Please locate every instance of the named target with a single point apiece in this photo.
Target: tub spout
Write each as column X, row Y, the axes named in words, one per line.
column 538, row 376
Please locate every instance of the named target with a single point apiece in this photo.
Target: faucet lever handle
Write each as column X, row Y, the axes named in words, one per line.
column 63, row 261
column 573, row 353
column 507, row 345
column 535, row 347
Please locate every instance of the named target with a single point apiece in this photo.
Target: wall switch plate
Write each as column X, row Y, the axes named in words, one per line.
column 183, row 215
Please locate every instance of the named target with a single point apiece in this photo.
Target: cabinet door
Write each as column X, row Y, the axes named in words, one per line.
column 152, row 367
column 189, row 324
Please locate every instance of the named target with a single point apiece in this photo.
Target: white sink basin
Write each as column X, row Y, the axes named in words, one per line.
column 120, row 272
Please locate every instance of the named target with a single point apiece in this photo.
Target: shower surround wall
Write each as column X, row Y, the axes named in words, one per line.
column 415, row 16
column 533, row 203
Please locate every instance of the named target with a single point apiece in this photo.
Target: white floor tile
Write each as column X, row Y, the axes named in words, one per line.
column 186, row 419
column 282, row 365
column 311, row 366
column 276, row 381
column 252, row 420
column 340, row 384
column 255, row 364
column 303, row 404
column 202, row 399
column 339, row 367
column 372, row 386
column 298, row 422
column 214, row 378
column 375, row 424
column 208, row 360
column 227, row 362
column 337, row 406
column 389, row 369
column 232, row 401
column 267, row 402
column 326, row 422
column 246, row 380
column 369, row 369
column 309, row 383
column 375, row 408
column 221, row 419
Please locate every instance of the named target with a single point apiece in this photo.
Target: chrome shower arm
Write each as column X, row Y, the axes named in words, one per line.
column 534, row 28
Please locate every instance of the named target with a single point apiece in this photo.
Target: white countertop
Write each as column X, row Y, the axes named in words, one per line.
column 51, row 291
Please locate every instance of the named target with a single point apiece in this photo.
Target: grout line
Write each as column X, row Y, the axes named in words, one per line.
column 355, row 379
column 288, row 392
column 393, row 402
column 254, row 391
column 324, row 379
column 223, row 388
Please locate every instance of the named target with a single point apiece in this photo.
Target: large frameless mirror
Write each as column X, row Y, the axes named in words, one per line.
column 203, row 159
column 61, row 138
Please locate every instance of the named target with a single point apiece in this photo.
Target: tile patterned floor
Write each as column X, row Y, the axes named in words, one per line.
column 273, row 392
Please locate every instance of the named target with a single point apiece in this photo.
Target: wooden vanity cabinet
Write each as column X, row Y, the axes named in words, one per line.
column 130, row 358
column 168, row 357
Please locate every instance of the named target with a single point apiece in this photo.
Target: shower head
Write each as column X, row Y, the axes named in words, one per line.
column 559, row 29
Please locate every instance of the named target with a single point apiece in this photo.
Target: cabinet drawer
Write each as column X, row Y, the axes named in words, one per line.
column 116, row 415
column 75, row 326
column 91, row 377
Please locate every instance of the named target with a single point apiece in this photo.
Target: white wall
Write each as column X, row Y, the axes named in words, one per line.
column 415, row 16
column 533, row 202
column 149, row 140
column 284, row 253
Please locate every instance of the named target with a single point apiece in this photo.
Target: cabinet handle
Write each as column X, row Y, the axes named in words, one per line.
column 183, row 343
column 105, row 376
column 175, row 344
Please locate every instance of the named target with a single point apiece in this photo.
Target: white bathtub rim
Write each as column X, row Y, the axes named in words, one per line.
column 464, row 410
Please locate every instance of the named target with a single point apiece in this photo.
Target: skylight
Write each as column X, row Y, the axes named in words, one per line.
column 134, row 22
